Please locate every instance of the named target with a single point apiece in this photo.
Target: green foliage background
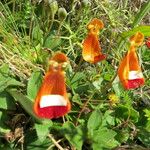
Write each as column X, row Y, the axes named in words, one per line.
column 30, row 32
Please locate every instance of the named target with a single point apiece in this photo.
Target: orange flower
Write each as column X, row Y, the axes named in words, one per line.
column 91, row 47
column 129, row 71
column 52, row 100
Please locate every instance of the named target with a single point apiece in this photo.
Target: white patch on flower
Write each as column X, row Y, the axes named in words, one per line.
column 135, row 75
column 52, row 100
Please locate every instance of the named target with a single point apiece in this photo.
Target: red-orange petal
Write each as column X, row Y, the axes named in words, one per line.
column 59, row 57
column 91, row 49
column 53, row 84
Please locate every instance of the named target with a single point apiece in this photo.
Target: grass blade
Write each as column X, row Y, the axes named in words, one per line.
column 144, row 10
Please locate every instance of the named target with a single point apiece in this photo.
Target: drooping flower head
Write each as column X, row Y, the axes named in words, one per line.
column 94, row 26
column 129, row 70
column 52, row 100
column 91, row 47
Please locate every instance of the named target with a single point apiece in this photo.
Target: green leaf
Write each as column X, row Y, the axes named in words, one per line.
column 4, row 70
column 43, row 130
column 122, row 40
column 143, row 11
column 97, row 83
column 3, row 118
column 94, row 121
column 126, row 112
column 5, row 79
column 144, row 29
column 122, row 136
column 108, row 118
column 52, row 41
column 104, row 138
column 144, row 137
column 147, row 114
column 116, row 87
column 37, row 34
column 25, row 103
column 75, row 80
column 7, row 82
column 32, row 142
column 107, row 77
column 73, row 134
column 34, row 84
column 6, row 101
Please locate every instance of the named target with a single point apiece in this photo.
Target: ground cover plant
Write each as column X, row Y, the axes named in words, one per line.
column 103, row 112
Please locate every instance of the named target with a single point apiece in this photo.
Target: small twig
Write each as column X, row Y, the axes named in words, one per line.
column 51, row 146
column 83, row 108
column 55, row 142
column 63, row 119
column 81, row 111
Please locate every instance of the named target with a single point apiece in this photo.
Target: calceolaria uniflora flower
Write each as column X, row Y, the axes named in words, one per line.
column 91, row 46
column 129, row 70
column 52, row 100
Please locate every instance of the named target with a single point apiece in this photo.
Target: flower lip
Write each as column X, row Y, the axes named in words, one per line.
column 134, row 83
column 52, row 100
column 135, row 75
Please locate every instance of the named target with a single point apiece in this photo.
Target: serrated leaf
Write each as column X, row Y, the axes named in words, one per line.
column 34, row 84
column 125, row 112
column 43, row 130
column 122, row 135
column 104, row 138
column 94, row 121
column 143, row 11
column 73, row 134
column 108, row 118
column 26, row 104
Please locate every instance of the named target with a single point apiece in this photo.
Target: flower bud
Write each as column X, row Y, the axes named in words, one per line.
column 54, row 7
column 85, row 3
column 62, row 14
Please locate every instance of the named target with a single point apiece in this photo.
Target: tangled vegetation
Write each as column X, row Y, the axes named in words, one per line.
column 103, row 115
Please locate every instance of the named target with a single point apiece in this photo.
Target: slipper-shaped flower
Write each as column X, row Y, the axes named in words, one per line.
column 91, row 47
column 129, row 70
column 52, row 100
